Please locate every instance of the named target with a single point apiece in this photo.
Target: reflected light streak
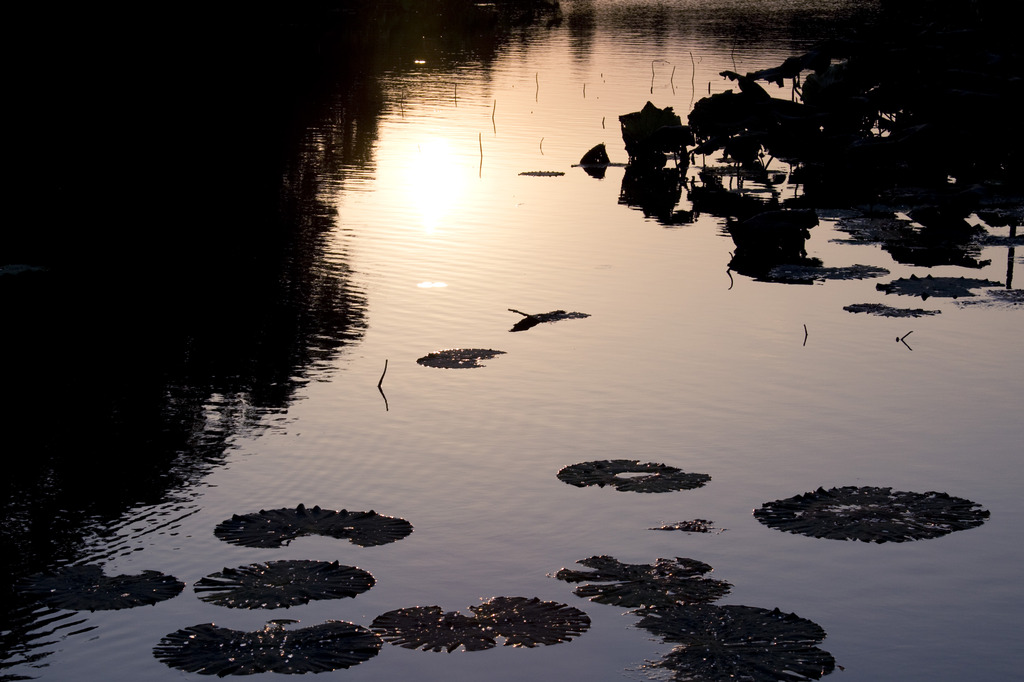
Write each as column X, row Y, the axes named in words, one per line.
column 435, row 182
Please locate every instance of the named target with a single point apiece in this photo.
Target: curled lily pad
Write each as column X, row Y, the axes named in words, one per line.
column 458, row 358
column 658, row 478
column 278, row 527
column 520, row 621
column 664, row 583
column 282, row 584
column 941, row 287
column 738, row 643
column 211, row 650
column 529, row 320
column 86, row 588
column 883, row 310
column 871, row 514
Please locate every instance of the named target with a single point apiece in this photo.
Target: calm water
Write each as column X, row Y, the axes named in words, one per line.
column 680, row 362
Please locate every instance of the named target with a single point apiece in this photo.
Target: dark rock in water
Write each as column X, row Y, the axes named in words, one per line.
column 597, row 156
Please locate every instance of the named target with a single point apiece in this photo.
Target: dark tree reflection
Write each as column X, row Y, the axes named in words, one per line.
column 175, row 170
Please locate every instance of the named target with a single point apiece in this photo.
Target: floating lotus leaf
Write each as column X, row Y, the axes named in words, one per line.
column 998, row 298
column 543, row 174
column 211, row 650
column 278, row 527
column 664, row 583
column 86, row 588
column 431, row 629
column 941, row 287
column 520, row 621
column 738, row 643
column 661, row 478
column 694, row 526
column 529, row 320
column 458, row 358
column 282, row 584
column 808, row 273
column 871, row 514
column 531, row 622
column 883, row 310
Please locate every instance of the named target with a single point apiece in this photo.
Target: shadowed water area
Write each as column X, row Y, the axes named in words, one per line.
column 323, row 353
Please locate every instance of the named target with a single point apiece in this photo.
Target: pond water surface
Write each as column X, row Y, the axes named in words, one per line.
column 771, row 389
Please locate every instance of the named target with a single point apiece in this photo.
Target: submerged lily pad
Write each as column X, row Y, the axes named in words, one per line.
column 282, row 584
column 86, row 588
column 883, row 310
column 738, row 643
column 520, row 621
column 871, row 514
column 664, row 583
column 278, row 527
column 941, row 287
column 211, row 650
column 459, row 358
column 659, row 478
column 529, row 320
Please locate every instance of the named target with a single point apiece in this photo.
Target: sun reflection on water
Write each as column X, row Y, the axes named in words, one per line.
column 435, row 182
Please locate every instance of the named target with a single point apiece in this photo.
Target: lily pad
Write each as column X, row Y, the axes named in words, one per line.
column 998, row 298
column 941, row 287
column 738, row 643
column 871, row 514
column 529, row 320
column 282, row 584
column 211, row 650
column 883, row 310
column 278, row 527
column 664, row 583
column 520, row 621
column 543, row 174
column 809, row 273
column 86, row 588
column 459, row 358
column 658, row 478
column 694, row 526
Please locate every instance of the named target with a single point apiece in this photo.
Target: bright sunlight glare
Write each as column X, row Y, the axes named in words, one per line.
column 435, row 181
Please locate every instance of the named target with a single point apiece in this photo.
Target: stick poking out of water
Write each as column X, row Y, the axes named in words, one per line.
column 387, row 408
